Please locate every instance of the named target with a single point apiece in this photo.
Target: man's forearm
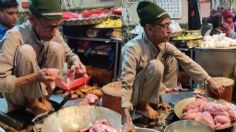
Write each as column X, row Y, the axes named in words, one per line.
column 26, row 80
column 126, row 115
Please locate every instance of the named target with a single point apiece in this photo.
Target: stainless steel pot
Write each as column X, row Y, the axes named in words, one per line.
column 138, row 129
column 188, row 126
column 217, row 61
column 73, row 119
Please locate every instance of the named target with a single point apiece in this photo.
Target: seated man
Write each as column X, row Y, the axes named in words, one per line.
column 29, row 50
column 8, row 16
column 149, row 60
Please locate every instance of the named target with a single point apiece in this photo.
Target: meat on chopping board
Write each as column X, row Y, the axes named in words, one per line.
column 216, row 115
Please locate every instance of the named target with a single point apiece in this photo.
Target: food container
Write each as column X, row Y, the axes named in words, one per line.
column 139, row 129
column 228, row 86
column 188, row 126
column 112, row 96
column 73, row 119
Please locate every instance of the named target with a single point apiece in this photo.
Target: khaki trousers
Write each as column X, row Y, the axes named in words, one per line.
column 156, row 74
column 27, row 62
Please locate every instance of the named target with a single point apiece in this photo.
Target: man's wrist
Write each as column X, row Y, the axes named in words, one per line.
column 208, row 79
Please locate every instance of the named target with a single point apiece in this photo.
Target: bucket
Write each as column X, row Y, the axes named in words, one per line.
column 228, row 86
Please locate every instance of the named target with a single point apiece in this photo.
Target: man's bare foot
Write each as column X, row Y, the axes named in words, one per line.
column 153, row 114
column 47, row 104
column 147, row 111
column 36, row 107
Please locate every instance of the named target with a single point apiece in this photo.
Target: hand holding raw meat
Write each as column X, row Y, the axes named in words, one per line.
column 48, row 76
column 80, row 69
column 215, row 87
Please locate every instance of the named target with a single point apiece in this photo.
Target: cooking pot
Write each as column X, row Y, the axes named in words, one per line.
column 188, row 126
column 73, row 119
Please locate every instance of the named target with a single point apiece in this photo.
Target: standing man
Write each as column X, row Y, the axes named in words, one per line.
column 29, row 51
column 8, row 15
column 149, row 60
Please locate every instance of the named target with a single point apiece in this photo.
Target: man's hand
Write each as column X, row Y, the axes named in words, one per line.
column 80, row 69
column 216, row 88
column 48, row 74
column 127, row 121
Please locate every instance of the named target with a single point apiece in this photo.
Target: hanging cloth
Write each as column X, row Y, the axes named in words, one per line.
column 193, row 15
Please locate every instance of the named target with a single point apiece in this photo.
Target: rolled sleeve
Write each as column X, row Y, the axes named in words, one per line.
column 128, row 72
column 196, row 72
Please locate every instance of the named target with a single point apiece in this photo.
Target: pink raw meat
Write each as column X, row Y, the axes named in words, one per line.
column 222, row 119
column 84, row 101
column 232, row 115
column 91, row 98
column 206, row 118
column 102, row 126
column 216, row 109
column 70, row 75
column 190, row 115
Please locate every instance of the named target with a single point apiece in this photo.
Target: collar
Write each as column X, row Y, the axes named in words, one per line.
column 3, row 28
column 149, row 43
column 34, row 35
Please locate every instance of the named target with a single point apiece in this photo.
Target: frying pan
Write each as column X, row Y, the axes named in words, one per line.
column 179, row 107
column 72, row 119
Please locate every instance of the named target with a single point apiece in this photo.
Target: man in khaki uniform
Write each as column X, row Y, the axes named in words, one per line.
column 28, row 51
column 149, row 60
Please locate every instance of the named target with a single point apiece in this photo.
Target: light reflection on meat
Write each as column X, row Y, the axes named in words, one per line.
column 216, row 115
column 100, row 126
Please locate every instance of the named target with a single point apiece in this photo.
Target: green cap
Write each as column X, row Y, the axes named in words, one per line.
column 149, row 12
column 48, row 9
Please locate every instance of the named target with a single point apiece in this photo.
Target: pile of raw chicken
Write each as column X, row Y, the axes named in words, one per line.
column 100, row 126
column 216, row 115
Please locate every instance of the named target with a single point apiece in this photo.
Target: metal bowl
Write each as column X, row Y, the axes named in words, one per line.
column 139, row 129
column 188, row 126
column 73, row 119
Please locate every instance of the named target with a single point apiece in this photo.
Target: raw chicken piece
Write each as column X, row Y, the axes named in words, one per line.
column 232, row 115
column 92, row 98
column 221, row 126
column 216, row 115
column 206, row 118
column 190, row 115
column 216, row 109
column 70, row 75
column 102, row 126
column 84, row 101
column 89, row 99
column 52, row 72
column 222, row 119
column 195, row 104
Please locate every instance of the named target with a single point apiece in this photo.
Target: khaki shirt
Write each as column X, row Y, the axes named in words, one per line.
column 138, row 52
column 15, row 37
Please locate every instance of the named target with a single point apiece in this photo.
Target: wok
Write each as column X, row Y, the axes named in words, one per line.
column 179, row 107
column 74, row 118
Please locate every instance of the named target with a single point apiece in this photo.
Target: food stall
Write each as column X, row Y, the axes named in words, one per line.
column 186, row 106
column 93, row 31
